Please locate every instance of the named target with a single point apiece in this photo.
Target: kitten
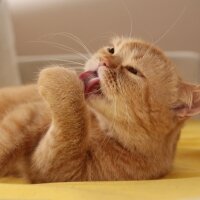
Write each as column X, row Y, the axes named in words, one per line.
column 120, row 120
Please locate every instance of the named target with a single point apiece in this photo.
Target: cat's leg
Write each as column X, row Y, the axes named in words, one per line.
column 20, row 131
column 61, row 154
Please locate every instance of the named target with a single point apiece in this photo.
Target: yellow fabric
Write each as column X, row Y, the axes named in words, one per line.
column 183, row 183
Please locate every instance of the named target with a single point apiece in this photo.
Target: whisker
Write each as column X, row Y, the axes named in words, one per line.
column 76, row 39
column 74, row 68
column 68, row 61
column 178, row 18
column 129, row 17
column 63, row 47
column 167, row 31
column 105, row 36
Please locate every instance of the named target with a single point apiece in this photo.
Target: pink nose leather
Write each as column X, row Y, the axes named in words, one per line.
column 104, row 62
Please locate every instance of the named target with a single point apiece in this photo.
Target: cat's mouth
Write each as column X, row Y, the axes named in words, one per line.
column 91, row 82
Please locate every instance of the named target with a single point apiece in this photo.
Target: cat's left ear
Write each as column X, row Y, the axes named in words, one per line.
column 189, row 100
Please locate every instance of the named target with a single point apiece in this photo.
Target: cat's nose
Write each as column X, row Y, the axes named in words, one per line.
column 104, row 62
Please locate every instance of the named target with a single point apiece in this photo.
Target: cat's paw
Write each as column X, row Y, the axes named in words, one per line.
column 58, row 83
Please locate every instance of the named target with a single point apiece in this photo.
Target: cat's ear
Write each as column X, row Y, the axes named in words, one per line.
column 189, row 100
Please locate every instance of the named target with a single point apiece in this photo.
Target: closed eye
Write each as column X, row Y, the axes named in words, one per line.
column 133, row 70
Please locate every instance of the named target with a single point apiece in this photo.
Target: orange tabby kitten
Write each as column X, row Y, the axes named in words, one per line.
column 120, row 120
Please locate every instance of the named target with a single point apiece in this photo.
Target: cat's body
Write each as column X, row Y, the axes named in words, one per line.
column 55, row 132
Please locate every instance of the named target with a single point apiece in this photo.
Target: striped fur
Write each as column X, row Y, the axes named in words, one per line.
column 49, row 132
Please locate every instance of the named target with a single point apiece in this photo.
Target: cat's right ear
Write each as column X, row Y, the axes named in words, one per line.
column 188, row 103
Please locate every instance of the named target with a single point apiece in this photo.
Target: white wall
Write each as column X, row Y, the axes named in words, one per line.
column 8, row 62
column 92, row 20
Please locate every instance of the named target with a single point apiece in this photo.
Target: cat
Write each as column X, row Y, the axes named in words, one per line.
column 118, row 120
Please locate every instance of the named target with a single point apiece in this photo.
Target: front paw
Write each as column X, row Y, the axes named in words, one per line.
column 58, row 83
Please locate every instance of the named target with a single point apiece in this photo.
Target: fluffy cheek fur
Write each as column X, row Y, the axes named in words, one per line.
column 127, row 110
column 121, row 95
column 117, row 112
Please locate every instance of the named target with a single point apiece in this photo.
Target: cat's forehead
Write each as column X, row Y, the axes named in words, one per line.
column 129, row 42
column 137, row 47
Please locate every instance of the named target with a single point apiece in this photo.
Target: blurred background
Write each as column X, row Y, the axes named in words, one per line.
column 35, row 33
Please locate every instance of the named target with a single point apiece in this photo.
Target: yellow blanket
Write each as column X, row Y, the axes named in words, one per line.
column 183, row 183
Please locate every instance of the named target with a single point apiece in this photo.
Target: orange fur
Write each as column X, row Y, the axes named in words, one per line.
column 50, row 132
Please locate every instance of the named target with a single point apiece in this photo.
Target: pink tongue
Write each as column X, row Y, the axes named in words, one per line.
column 91, row 82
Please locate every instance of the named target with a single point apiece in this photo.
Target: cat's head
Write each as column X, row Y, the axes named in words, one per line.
column 133, row 83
